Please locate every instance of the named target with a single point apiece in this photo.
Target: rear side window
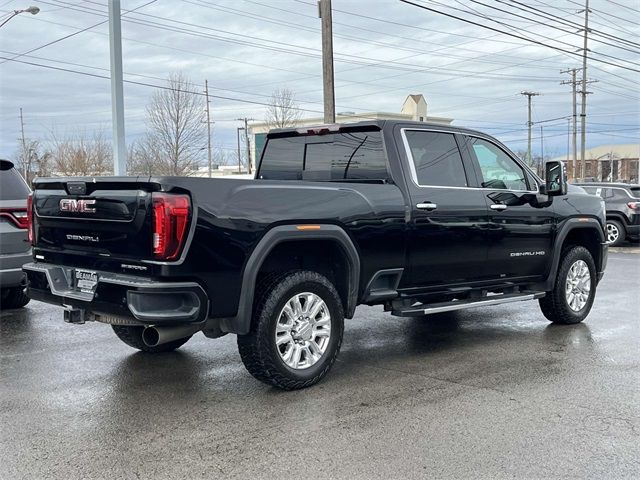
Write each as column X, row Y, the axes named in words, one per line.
column 12, row 186
column 635, row 191
column 436, row 158
column 336, row 156
column 591, row 190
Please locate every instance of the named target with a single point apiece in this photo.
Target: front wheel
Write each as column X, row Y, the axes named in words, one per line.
column 296, row 330
column 571, row 299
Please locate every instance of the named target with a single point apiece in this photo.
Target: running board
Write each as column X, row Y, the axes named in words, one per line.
column 427, row 309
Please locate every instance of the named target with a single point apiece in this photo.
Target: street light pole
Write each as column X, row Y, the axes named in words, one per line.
column 31, row 10
column 117, row 94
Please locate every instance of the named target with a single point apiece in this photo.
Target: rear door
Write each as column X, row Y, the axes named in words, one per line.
column 521, row 230
column 448, row 239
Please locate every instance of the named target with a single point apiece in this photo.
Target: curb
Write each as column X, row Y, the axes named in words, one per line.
column 624, row 249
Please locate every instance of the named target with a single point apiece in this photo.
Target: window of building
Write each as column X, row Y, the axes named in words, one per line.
column 436, row 158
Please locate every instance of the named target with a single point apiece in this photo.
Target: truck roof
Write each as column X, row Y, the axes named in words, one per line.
column 381, row 124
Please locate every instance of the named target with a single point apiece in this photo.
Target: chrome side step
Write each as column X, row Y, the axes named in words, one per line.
column 427, row 309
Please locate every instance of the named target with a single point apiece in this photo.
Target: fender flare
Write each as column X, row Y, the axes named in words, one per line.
column 569, row 226
column 241, row 323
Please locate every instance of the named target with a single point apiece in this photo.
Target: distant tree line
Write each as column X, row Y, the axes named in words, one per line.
column 174, row 142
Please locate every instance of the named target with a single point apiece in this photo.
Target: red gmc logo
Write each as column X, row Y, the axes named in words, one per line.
column 80, row 206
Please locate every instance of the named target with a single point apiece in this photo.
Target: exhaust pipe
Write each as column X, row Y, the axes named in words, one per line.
column 154, row 336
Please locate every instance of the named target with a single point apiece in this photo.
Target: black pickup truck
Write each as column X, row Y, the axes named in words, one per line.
column 416, row 217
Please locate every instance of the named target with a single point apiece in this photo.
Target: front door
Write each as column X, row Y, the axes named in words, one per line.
column 521, row 225
column 448, row 235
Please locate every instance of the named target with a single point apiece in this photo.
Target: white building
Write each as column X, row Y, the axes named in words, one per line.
column 414, row 108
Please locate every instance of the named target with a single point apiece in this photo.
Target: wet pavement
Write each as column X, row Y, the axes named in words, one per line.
column 490, row 393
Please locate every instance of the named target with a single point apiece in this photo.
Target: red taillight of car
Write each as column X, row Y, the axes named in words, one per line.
column 30, row 226
column 633, row 205
column 18, row 216
column 170, row 224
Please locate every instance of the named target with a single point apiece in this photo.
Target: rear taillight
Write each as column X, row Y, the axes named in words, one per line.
column 30, row 226
column 633, row 205
column 17, row 216
column 170, row 224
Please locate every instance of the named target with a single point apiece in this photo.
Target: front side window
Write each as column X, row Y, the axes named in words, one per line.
column 436, row 158
column 498, row 169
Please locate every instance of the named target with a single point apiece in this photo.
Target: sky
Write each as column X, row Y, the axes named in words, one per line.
column 383, row 51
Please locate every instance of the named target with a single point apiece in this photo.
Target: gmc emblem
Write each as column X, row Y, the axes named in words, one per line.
column 79, row 206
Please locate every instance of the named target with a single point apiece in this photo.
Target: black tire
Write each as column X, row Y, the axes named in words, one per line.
column 132, row 336
column 258, row 348
column 554, row 305
column 15, row 297
column 616, row 226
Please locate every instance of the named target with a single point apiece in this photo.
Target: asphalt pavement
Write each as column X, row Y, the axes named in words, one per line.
column 489, row 393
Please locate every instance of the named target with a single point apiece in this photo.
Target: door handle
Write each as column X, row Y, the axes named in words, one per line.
column 498, row 206
column 427, row 206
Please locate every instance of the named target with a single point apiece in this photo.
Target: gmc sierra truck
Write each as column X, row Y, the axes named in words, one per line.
column 416, row 217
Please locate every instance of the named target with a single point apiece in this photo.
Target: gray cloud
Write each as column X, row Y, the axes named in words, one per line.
column 248, row 48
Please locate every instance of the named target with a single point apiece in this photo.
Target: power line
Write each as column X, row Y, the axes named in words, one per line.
column 517, row 29
column 76, row 33
column 538, row 22
column 514, row 35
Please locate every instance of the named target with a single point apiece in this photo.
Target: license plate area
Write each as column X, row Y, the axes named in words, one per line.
column 85, row 280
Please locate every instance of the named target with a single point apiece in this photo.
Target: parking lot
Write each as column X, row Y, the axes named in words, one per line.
column 488, row 393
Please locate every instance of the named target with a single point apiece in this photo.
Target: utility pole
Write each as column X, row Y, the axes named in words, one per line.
column 206, row 93
column 574, row 84
column 239, row 157
column 117, row 94
column 569, row 147
column 529, row 122
column 324, row 12
column 25, row 161
column 246, row 138
column 583, row 113
column 541, row 148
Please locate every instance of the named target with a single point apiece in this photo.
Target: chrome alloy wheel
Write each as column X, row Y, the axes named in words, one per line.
column 303, row 330
column 578, row 285
column 612, row 232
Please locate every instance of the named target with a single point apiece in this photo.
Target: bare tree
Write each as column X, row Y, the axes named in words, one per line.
column 283, row 110
column 32, row 160
column 145, row 158
column 80, row 154
column 173, row 144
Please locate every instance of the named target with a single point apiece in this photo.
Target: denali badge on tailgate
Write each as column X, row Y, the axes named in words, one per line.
column 73, row 205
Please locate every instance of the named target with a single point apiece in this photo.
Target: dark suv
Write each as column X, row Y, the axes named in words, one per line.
column 15, row 249
column 622, row 202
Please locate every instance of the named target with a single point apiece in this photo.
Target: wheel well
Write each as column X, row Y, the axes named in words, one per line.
column 617, row 217
column 586, row 237
column 323, row 256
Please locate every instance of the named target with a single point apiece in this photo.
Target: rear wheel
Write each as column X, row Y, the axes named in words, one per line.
column 296, row 331
column 132, row 336
column 615, row 233
column 15, row 297
column 571, row 299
